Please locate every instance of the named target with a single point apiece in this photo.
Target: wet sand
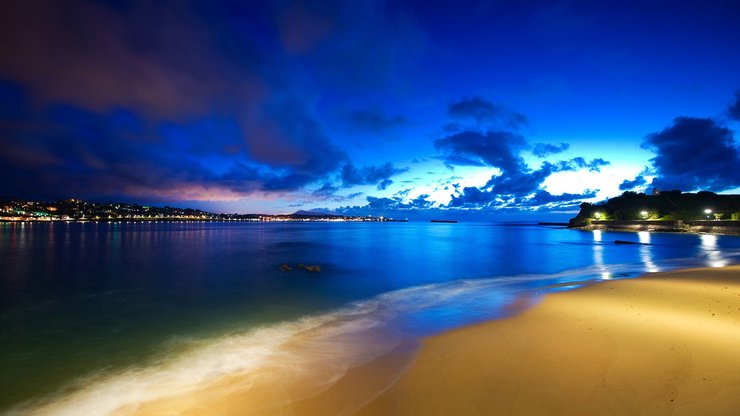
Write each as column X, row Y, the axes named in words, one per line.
column 662, row 344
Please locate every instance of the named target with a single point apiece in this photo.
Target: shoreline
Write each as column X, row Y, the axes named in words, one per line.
column 661, row 343
column 716, row 227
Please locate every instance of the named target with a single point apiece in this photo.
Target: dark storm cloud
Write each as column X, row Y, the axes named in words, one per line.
column 65, row 150
column 71, row 151
column 485, row 111
column 733, row 111
column 369, row 175
column 628, row 185
column 694, row 154
column 492, row 148
column 289, row 137
column 219, row 93
column 545, row 149
column 374, row 121
column 159, row 57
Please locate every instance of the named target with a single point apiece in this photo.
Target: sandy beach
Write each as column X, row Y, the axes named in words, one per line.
column 661, row 344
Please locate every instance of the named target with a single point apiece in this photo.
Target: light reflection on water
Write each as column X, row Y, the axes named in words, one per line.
column 712, row 252
column 113, row 295
column 646, row 253
column 599, row 255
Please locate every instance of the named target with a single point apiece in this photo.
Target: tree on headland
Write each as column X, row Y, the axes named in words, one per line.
column 667, row 205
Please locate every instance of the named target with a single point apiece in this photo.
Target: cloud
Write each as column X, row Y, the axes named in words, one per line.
column 374, row 121
column 500, row 149
column 515, row 183
column 385, row 183
column 394, row 206
column 125, row 92
column 516, row 186
column 369, row 175
column 326, row 189
column 292, row 140
column 694, row 154
column 733, row 110
column 148, row 56
column 484, row 111
column 594, row 165
column 628, row 185
column 543, row 197
column 492, row 148
column 65, row 150
column 473, row 197
column 545, row 149
column 75, row 152
column 476, row 198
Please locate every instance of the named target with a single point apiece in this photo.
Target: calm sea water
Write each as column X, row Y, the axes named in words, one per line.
column 80, row 303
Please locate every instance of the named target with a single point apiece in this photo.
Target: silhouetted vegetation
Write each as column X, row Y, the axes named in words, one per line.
column 667, row 205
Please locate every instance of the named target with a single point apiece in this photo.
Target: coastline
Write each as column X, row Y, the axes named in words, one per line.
column 682, row 227
column 663, row 343
column 659, row 344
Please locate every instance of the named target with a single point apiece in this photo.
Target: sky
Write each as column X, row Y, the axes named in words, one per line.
column 480, row 109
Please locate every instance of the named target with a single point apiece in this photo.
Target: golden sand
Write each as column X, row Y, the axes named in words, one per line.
column 662, row 344
column 666, row 344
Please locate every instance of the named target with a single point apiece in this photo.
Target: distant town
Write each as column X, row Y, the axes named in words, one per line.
column 77, row 210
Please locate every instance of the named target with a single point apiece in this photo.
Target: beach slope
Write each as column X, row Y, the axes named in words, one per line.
column 662, row 344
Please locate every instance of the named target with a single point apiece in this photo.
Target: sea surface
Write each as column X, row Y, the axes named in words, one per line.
column 94, row 316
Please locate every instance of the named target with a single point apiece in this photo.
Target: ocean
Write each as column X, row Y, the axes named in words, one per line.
column 95, row 317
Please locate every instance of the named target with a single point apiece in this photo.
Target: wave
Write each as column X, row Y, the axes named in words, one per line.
column 315, row 352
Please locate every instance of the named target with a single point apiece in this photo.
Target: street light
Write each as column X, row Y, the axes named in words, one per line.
column 643, row 214
column 708, row 212
column 597, row 215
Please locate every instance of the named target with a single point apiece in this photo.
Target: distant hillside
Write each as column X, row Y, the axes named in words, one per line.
column 670, row 205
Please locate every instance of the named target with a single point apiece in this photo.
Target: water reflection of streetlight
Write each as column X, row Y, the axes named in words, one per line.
column 599, row 255
column 646, row 252
column 709, row 246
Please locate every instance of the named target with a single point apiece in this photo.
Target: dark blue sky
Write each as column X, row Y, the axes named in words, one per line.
column 483, row 108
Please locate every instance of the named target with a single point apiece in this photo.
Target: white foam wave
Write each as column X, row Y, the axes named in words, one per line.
column 333, row 343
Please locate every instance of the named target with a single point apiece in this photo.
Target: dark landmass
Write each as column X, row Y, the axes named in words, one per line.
column 663, row 211
column 447, row 221
column 78, row 210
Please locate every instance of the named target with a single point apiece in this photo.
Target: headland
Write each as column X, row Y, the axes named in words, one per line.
column 673, row 211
